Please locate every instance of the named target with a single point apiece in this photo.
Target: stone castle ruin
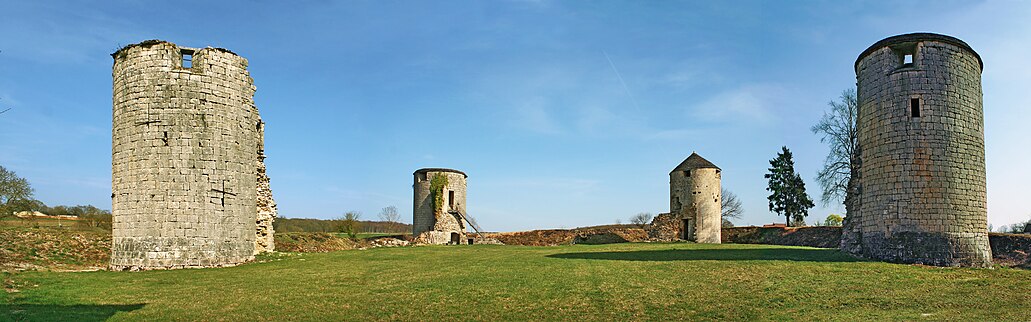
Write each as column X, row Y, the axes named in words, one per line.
column 189, row 187
column 439, row 208
column 267, row 212
column 921, row 192
column 694, row 200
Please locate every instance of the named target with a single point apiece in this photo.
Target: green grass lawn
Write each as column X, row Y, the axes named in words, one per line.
column 485, row 282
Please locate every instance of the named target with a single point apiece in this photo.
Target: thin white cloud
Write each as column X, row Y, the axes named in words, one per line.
column 535, row 115
column 745, row 105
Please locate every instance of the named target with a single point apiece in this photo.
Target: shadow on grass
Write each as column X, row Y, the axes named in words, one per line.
column 50, row 312
column 775, row 254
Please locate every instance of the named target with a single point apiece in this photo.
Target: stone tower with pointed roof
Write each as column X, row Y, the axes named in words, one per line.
column 694, row 196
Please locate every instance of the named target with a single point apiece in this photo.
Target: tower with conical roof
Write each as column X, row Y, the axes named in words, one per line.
column 694, row 196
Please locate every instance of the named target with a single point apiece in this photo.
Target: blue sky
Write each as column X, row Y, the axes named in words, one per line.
column 563, row 113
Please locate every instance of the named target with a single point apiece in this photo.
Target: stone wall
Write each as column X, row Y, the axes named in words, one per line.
column 815, row 236
column 1011, row 249
column 442, row 222
column 184, row 146
column 665, row 227
column 267, row 213
column 554, row 237
column 922, row 178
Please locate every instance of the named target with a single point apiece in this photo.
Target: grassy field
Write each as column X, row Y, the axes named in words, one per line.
column 616, row 282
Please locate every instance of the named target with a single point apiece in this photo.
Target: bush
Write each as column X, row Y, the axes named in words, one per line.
column 349, row 224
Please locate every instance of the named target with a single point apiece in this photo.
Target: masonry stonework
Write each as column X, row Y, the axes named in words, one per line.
column 267, row 211
column 922, row 187
column 694, row 197
column 445, row 225
column 185, row 158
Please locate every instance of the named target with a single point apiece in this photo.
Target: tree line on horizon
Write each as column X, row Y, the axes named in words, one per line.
column 350, row 223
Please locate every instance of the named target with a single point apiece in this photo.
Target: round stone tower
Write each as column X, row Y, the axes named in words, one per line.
column 444, row 224
column 694, row 196
column 184, row 159
column 921, row 136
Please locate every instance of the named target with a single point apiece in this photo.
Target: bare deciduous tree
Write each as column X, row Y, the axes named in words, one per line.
column 641, row 219
column 389, row 214
column 730, row 207
column 840, row 169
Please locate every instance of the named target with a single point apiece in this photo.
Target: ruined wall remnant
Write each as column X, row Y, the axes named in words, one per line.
column 185, row 157
column 444, row 225
column 921, row 134
column 666, row 227
column 694, row 196
column 267, row 212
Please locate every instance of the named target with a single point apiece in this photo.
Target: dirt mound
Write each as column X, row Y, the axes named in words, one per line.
column 313, row 243
column 52, row 248
column 553, row 237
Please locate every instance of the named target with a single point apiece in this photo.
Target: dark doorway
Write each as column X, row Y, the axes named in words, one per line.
column 456, row 239
column 686, row 229
column 470, row 241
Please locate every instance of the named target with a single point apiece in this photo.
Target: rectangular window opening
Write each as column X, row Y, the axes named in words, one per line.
column 187, row 58
column 687, row 173
column 914, row 107
column 907, row 59
column 451, row 199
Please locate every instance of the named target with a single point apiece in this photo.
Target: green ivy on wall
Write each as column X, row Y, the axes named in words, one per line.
column 437, row 185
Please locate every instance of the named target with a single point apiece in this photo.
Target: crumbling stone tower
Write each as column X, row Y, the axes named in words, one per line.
column 444, row 224
column 921, row 134
column 694, row 196
column 185, row 158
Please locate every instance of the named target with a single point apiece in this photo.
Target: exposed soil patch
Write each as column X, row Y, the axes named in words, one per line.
column 53, row 249
column 313, row 242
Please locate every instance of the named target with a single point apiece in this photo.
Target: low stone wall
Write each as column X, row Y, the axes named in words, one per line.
column 1011, row 249
column 553, row 237
column 821, row 236
column 665, row 227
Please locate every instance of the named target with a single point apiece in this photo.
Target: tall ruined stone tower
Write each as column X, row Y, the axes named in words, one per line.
column 185, row 157
column 921, row 134
column 444, row 224
column 694, row 196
